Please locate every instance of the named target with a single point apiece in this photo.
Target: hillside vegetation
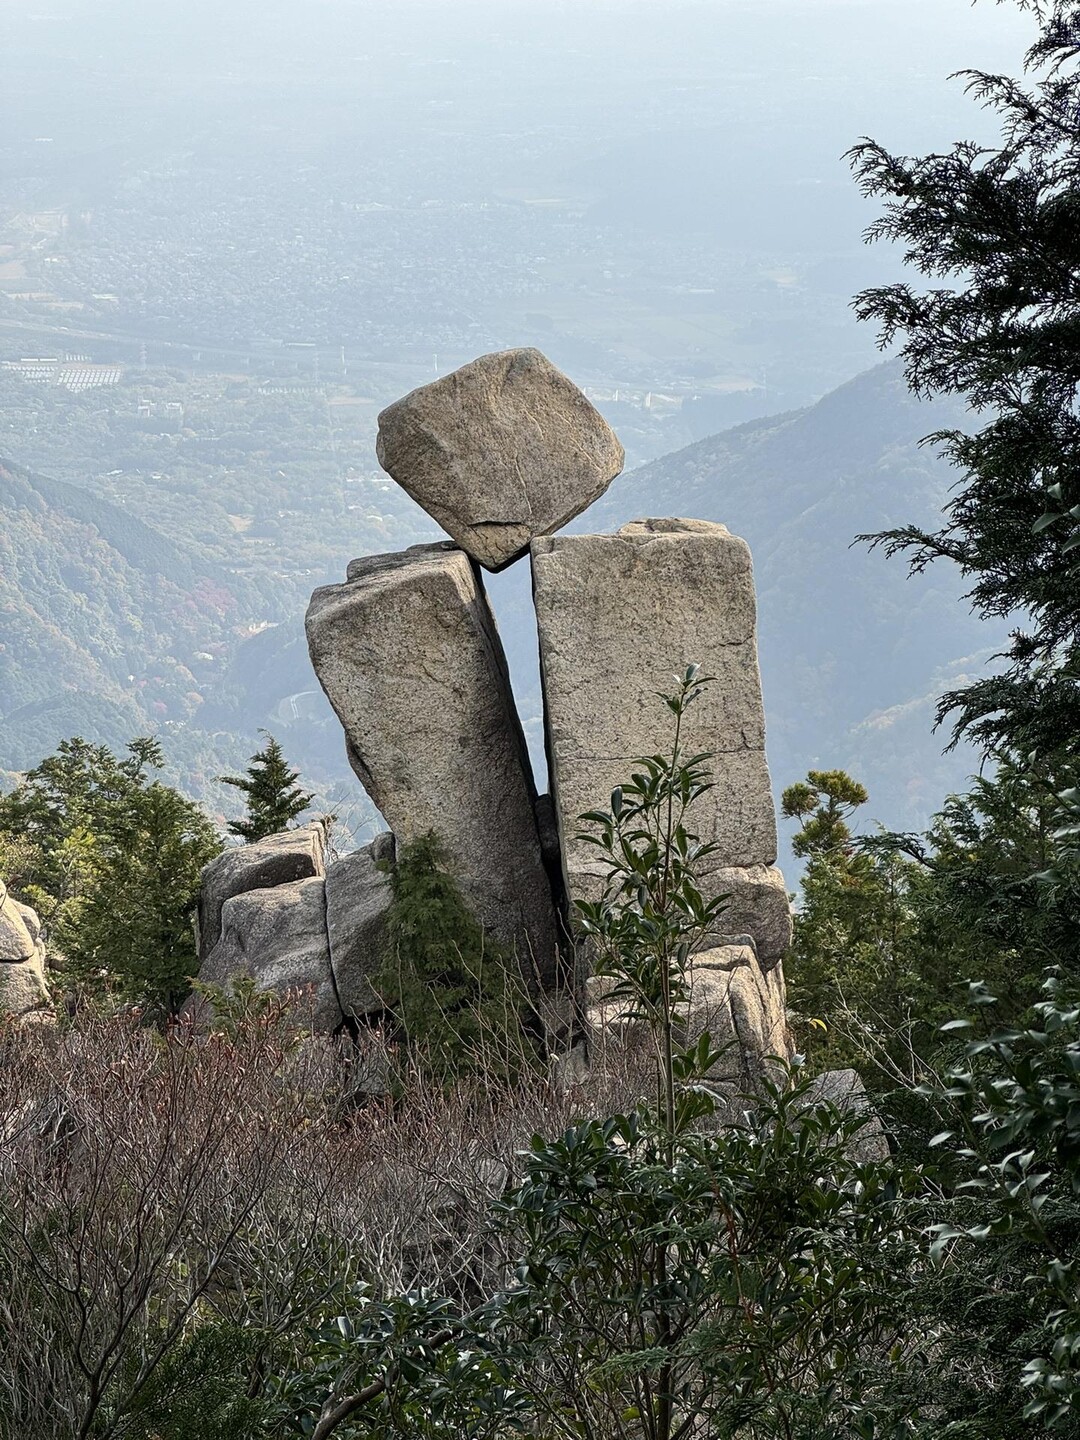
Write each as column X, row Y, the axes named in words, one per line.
column 106, row 625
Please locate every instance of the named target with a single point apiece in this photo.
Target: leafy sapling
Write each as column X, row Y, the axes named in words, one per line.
column 651, row 915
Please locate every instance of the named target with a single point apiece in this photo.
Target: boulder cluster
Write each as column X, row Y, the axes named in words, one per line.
column 503, row 453
column 276, row 912
column 24, row 991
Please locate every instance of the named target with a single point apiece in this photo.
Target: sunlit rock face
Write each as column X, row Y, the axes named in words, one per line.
column 24, row 989
column 321, row 939
column 358, row 896
column 617, row 615
column 274, row 860
column 277, row 937
column 742, row 1009
column 409, row 655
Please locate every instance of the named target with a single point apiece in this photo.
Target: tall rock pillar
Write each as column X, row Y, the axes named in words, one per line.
column 410, row 658
column 618, row 615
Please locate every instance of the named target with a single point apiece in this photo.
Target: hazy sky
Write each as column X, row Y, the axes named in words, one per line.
column 652, row 63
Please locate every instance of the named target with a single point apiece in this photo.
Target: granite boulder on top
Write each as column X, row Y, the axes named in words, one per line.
column 499, row 452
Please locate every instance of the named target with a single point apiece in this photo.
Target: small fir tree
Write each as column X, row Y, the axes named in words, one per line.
column 849, row 951
column 272, row 796
column 456, row 998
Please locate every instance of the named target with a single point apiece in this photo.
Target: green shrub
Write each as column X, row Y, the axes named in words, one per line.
column 456, row 999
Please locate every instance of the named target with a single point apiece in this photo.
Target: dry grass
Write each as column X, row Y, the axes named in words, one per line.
column 150, row 1183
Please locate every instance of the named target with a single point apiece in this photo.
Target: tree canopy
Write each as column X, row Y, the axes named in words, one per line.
column 272, row 797
column 996, row 234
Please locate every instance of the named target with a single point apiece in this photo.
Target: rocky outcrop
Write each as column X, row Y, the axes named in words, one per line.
column 323, row 936
column 278, row 938
column 845, row 1090
column 16, row 943
column 757, row 906
column 358, row 895
column 275, row 860
column 501, row 451
column 410, row 658
column 24, row 989
column 617, row 614
column 743, row 1009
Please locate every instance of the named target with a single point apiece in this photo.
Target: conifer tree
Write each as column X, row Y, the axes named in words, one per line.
column 996, row 234
column 111, row 859
column 134, row 931
column 851, row 928
column 272, row 796
column 455, row 997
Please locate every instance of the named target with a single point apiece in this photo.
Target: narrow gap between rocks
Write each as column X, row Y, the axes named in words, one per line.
column 510, row 595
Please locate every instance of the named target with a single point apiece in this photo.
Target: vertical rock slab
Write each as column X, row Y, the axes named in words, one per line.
column 502, row 450
column 358, row 895
column 410, row 658
column 618, row 615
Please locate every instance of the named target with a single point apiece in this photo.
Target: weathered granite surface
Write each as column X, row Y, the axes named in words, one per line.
column 358, row 895
column 618, row 615
column 757, row 906
column 503, row 450
column 278, row 937
column 17, row 944
column 743, row 1009
column 845, row 1090
column 275, row 860
column 409, row 655
column 24, row 987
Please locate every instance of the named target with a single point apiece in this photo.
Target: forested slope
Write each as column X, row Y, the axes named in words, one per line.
column 107, row 628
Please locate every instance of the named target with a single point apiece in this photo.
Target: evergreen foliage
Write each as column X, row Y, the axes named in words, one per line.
column 110, row 858
column 670, row 1276
column 891, row 928
column 676, row 1274
column 1016, row 1141
column 996, row 233
column 134, row 930
column 199, row 1391
column 272, row 797
column 849, row 950
column 456, row 999
column 823, row 801
column 652, row 915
